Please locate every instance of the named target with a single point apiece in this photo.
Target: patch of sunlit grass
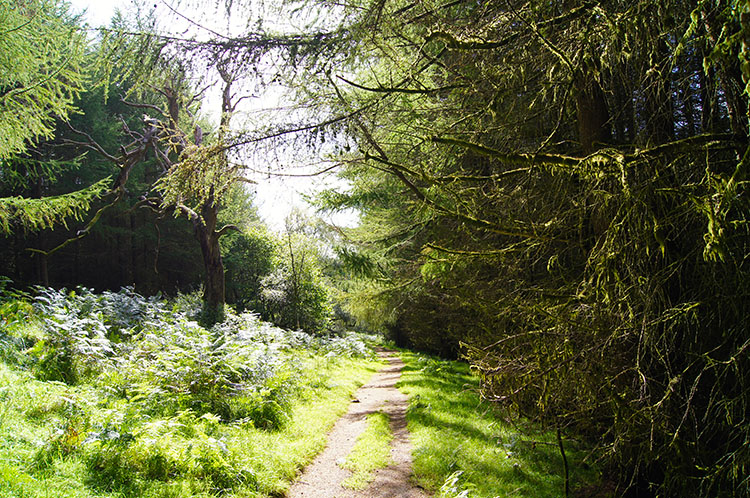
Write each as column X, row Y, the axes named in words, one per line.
column 372, row 451
column 464, row 448
column 44, row 450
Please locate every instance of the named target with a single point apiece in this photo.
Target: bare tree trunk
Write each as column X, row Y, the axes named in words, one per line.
column 204, row 227
column 126, row 251
column 592, row 113
column 213, row 292
column 43, row 269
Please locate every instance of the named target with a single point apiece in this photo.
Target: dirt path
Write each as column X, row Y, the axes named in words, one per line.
column 323, row 477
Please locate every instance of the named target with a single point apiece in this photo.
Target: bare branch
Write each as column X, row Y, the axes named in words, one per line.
column 91, row 144
column 144, row 106
column 399, row 90
column 81, row 233
column 137, row 136
column 292, row 175
column 226, row 229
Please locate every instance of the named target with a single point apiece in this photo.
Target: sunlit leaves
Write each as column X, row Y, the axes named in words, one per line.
column 41, row 50
column 38, row 214
column 201, row 176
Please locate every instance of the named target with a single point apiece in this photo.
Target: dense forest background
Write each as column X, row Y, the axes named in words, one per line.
column 554, row 191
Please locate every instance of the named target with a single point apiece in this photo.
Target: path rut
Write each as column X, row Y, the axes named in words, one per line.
column 323, row 477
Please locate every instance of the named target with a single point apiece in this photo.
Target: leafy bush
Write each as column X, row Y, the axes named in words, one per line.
column 184, row 366
column 75, row 345
column 67, row 437
column 17, row 327
column 176, row 447
column 248, row 257
column 296, row 294
column 156, row 357
column 151, row 404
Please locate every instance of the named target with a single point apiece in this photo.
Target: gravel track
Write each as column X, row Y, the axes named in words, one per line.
column 323, row 477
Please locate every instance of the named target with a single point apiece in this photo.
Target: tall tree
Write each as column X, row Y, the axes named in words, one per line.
column 40, row 74
column 560, row 187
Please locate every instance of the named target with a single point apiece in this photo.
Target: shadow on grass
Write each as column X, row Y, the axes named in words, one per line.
column 453, row 431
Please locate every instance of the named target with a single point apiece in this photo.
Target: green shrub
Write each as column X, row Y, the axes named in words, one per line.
column 174, row 409
column 70, row 432
column 183, row 446
column 18, row 325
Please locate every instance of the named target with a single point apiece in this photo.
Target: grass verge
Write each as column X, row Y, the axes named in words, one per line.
column 372, row 451
column 465, row 448
column 46, row 448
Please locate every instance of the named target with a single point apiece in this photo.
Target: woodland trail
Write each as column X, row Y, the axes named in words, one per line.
column 323, row 477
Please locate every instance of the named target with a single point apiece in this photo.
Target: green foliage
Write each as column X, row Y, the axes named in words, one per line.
column 559, row 193
column 295, row 294
column 176, row 410
column 75, row 345
column 41, row 74
column 38, row 214
column 200, row 178
column 182, row 446
column 15, row 308
column 140, row 349
column 464, row 447
column 248, row 258
column 40, row 70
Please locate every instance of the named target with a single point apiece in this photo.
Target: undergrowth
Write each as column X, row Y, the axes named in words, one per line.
column 115, row 394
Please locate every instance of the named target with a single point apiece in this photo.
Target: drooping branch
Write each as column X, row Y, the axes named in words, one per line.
column 690, row 143
column 603, row 155
column 457, row 44
column 516, row 158
column 36, row 214
column 461, row 252
column 417, row 91
column 226, row 229
column 399, row 170
column 81, row 233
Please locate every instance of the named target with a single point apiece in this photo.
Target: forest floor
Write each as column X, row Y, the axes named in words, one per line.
column 323, row 478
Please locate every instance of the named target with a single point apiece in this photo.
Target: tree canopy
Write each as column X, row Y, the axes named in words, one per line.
column 557, row 191
column 554, row 191
column 41, row 73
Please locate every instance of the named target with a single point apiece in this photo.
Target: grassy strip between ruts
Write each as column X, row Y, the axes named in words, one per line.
column 372, row 451
column 31, row 413
column 464, row 449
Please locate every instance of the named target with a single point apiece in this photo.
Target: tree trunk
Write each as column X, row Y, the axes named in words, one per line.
column 213, row 279
column 43, row 269
column 213, row 293
column 126, row 254
column 592, row 113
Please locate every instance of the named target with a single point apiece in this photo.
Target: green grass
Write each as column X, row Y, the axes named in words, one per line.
column 372, row 451
column 44, row 451
column 463, row 447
